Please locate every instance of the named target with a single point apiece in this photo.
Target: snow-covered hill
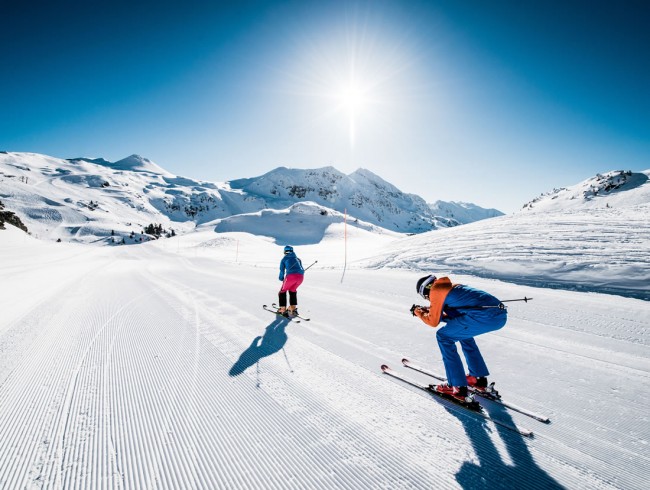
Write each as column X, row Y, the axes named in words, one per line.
column 602, row 250
column 617, row 188
column 594, row 236
column 96, row 201
column 304, row 223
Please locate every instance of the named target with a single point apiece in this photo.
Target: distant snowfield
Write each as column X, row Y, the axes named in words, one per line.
column 154, row 366
column 602, row 249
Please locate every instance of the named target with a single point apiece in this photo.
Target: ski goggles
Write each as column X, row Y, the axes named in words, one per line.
column 426, row 285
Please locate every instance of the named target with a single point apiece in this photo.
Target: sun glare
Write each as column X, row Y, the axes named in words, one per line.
column 356, row 73
column 352, row 100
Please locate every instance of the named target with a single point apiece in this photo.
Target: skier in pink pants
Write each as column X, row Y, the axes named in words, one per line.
column 291, row 275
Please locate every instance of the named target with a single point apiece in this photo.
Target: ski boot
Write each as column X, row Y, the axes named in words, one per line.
column 283, row 311
column 480, row 385
column 459, row 393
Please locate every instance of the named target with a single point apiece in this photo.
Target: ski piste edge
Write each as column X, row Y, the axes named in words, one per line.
column 540, row 418
column 520, row 430
column 295, row 316
column 280, row 315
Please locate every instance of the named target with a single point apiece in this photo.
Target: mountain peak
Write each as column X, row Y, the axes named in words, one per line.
column 363, row 194
column 462, row 212
column 363, row 175
column 137, row 163
column 617, row 188
column 132, row 163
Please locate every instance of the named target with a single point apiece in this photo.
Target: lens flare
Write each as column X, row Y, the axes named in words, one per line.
column 353, row 99
column 353, row 77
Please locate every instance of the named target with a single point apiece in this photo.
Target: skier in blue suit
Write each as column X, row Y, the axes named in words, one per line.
column 467, row 312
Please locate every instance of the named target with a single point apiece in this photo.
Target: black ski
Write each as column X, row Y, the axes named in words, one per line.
column 475, row 409
column 292, row 316
column 491, row 394
column 276, row 312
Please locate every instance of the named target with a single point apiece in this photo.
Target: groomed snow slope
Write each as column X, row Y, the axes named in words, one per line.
column 155, row 367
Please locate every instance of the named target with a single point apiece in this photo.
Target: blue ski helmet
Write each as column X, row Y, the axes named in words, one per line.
column 424, row 285
column 288, row 249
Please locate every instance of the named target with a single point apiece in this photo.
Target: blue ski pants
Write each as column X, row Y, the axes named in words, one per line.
column 463, row 329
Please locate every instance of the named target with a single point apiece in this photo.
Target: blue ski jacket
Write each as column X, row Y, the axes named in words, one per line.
column 290, row 264
column 448, row 300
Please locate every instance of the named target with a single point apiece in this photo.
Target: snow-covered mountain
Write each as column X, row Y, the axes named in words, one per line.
column 94, row 200
column 363, row 194
column 133, row 163
column 617, row 188
column 460, row 213
column 97, row 201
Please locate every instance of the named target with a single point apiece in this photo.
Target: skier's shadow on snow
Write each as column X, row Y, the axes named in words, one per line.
column 262, row 346
column 492, row 471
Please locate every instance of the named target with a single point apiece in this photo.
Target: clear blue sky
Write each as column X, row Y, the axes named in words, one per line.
column 491, row 102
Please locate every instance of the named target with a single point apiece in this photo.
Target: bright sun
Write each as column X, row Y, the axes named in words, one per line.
column 352, row 99
column 356, row 73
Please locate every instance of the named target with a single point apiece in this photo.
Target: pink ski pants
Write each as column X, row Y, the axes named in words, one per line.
column 291, row 282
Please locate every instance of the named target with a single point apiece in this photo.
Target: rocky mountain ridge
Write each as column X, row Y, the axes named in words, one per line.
column 92, row 200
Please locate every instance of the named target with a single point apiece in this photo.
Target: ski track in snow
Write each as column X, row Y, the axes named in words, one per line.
column 149, row 369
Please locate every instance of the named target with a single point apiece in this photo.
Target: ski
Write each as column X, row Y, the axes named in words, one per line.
column 491, row 394
column 277, row 313
column 293, row 316
column 474, row 408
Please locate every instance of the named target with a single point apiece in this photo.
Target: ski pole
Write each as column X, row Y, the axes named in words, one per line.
column 501, row 306
column 312, row 264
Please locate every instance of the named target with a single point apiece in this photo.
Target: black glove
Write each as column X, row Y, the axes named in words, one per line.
column 413, row 309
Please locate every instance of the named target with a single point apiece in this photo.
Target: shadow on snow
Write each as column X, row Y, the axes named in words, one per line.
column 262, row 346
column 492, row 471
